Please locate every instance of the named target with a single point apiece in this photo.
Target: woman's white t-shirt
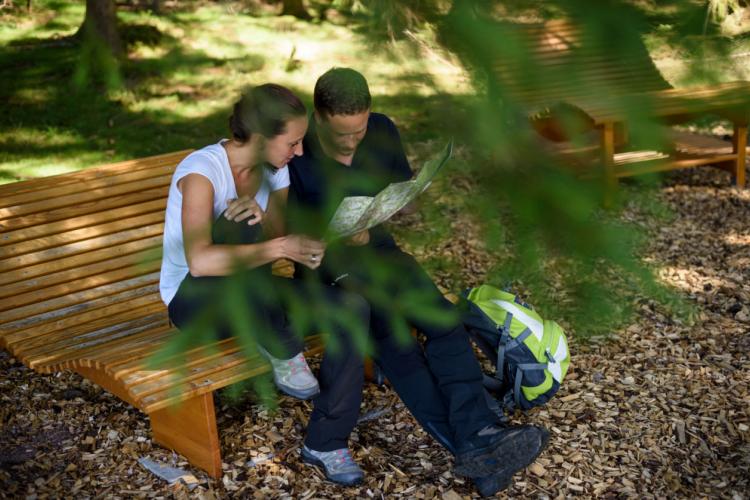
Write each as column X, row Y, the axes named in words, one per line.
column 211, row 162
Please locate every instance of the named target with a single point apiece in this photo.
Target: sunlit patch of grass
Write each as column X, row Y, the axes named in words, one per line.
column 37, row 137
column 144, row 52
column 36, row 96
column 27, row 152
column 47, row 19
column 31, row 168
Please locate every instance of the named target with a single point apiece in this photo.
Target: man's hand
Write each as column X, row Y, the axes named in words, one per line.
column 244, row 207
column 359, row 239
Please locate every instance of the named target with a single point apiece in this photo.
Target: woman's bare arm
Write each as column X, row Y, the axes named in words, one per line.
column 204, row 258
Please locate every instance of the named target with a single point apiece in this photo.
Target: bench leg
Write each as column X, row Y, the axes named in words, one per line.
column 739, row 147
column 608, row 162
column 189, row 428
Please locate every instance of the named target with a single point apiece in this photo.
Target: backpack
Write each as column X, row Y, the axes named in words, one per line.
column 531, row 354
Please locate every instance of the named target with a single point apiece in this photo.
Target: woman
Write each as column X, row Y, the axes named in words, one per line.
column 224, row 226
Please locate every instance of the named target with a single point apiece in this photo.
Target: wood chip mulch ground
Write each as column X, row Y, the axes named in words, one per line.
column 660, row 409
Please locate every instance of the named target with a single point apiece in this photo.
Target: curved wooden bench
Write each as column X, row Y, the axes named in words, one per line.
column 558, row 66
column 79, row 277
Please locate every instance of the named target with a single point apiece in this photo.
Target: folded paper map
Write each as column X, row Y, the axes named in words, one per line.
column 357, row 213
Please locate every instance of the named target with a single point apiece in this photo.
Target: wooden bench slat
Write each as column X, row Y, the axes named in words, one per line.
column 594, row 62
column 628, row 168
column 192, row 362
column 93, row 173
column 73, row 292
column 79, row 301
column 85, row 233
column 61, row 352
column 93, row 327
column 74, row 358
column 119, row 367
column 37, row 273
column 172, row 395
column 27, row 328
column 142, row 314
column 136, row 351
column 621, row 81
column 531, row 83
column 674, row 102
column 85, row 221
column 123, row 330
column 145, row 177
column 47, row 282
column 146, row 382
column 56, row 203
column 84, row 209
column 101, row 242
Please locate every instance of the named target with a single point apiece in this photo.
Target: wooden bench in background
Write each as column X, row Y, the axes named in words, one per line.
column 79, row 278
column 564, row 67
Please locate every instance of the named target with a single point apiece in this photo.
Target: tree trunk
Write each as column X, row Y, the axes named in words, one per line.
column 100, row 23
column 295, row 8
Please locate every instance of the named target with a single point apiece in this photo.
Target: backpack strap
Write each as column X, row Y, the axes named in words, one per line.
column 520, row 368
column 518, row 340
column 517, row 387
column 501, row 347
column 491, row 383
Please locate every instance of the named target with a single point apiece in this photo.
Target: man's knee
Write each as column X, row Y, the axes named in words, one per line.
column 401, row 361
column 357, row 304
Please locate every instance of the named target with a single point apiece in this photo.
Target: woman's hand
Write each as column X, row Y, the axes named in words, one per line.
column 244, row 207
column 304, row 250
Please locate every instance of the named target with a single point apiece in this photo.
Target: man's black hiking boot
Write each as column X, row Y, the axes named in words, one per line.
column 494, row 483
column 500, row 452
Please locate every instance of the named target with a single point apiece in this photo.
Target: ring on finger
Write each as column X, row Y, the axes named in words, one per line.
column 314, row 258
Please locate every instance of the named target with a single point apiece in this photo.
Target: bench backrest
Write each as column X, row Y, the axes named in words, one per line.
column 79, row 260
column 558, row 61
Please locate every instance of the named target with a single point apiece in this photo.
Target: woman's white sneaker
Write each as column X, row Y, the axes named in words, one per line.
column 293, row 376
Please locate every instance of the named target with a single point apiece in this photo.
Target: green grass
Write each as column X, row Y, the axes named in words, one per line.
column 183, row 71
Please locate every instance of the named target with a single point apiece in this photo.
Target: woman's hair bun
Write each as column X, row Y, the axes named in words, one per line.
column 264, row 110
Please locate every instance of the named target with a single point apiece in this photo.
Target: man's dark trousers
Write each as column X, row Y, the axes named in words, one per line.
column 440, row 384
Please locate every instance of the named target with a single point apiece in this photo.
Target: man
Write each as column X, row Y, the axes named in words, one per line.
column 350, row 151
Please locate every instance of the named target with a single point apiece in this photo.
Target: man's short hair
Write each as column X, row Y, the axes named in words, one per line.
column 341, row 91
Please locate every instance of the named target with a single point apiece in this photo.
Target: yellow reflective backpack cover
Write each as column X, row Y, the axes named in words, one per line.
column 531, row 354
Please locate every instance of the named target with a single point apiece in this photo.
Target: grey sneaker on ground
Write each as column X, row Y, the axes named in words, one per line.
column 338, row 465
column 503, row 451
column 293, row 376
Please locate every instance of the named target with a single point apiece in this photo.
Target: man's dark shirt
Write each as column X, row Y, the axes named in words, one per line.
column 319, row 183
